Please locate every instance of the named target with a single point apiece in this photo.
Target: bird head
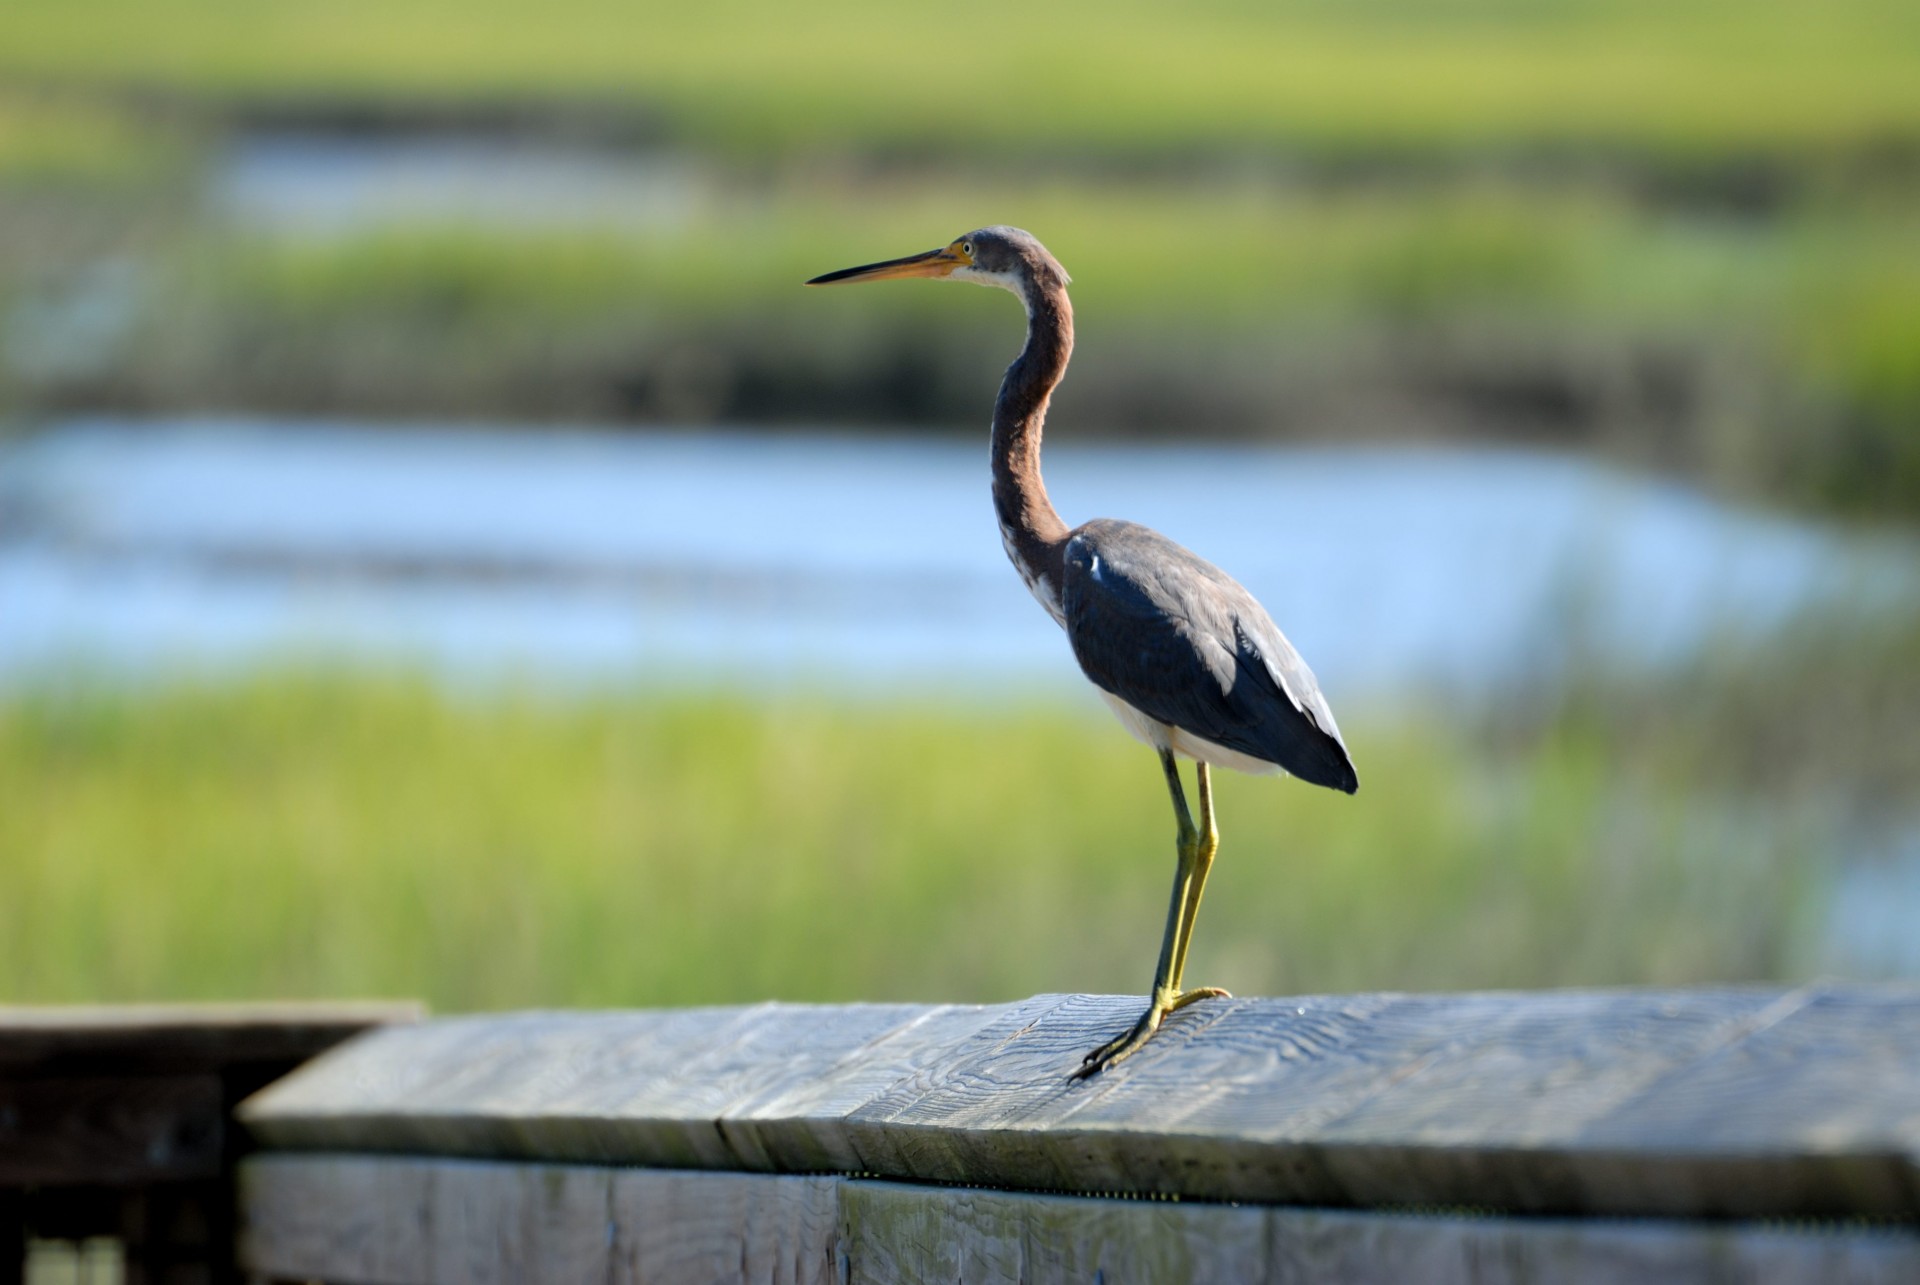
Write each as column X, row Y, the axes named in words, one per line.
column 995, row 256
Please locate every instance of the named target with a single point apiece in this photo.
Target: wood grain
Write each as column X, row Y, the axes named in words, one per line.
column 400, row 1220
column 1730, row 1102
column 685, row 1226
column 339, row 1218
column 900, row 1233
column 1342, row 1247
column 395, row 1220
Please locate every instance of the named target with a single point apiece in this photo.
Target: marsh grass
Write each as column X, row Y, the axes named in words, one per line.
column 1001, row 78
column 296, row 834
column 43, row 141
column 1681, row 231
column 1774, row 358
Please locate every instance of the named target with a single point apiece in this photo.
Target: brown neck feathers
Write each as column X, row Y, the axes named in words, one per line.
column 1035, row 536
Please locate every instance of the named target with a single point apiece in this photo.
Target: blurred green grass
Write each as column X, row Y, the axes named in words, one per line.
column 1694, row 222
column 1685, row 75
column 43, row 140
column 1776, row 359
column 1679, row 232
column 302, row 834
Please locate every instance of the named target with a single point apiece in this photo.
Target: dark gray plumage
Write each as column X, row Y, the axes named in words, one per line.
column 1181, row 641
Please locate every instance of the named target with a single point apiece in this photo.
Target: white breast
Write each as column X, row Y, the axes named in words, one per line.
column 1162, row 736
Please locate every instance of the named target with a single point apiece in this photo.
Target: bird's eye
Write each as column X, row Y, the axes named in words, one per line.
column 966, row 248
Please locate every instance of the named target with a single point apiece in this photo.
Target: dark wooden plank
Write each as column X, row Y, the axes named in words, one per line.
column 1616, row 1102
column 78, row 1039
column 177, row 1234
column 401, row 1220
column 110, row 1131
column 77, row 1213
column 13, row 1238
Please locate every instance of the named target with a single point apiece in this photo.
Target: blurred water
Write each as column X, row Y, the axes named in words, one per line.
column 852, row 560
column 1872, row 927
column 336, row 183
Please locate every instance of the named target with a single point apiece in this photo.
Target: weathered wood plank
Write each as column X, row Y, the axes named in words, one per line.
column 801, row 1123
column 1739, row 1101
column 1342, row 1247
column 603, row 1087
column 396, row 1220
column 339, row 1218
column 895, row 1232
column 1724, row 1113
column 501, row 1224
column 401, row 1220
column 148, row 1038
column 673, row 1225
column 901, row 1233
column 109, row 1131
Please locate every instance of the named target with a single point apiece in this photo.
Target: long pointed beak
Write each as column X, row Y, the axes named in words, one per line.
column 934, row 263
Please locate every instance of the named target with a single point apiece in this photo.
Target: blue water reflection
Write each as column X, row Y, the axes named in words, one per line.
column 848, row 559
column 330, row 184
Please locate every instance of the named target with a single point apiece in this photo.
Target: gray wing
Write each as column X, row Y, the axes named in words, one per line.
column 1178, row 639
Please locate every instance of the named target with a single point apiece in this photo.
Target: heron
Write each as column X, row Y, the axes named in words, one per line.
column 1188, row 660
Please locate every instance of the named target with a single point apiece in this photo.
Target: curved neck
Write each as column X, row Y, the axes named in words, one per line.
column 1032, row 531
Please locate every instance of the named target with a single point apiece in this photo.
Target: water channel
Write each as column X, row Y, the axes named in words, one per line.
column 853, row 560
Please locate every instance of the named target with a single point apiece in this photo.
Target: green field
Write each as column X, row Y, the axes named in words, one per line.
column 308, row 834
column 989, row 78
column 1680, row 233
column 325, row 833
column 1779, row 358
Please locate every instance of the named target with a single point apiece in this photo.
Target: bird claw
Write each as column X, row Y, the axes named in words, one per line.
column 1195, row 995
column 1119, row 1049
column 1122, row 1047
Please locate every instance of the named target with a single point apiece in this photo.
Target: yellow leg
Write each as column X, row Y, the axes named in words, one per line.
column 1194, row 856
column 1208, row 843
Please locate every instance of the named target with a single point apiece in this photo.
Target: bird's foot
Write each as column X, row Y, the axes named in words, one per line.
column 1124, row 1046
column 1195, row 995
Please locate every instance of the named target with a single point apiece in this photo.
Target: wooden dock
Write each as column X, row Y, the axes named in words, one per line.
column 116, row 1122
column 1719, row 1134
